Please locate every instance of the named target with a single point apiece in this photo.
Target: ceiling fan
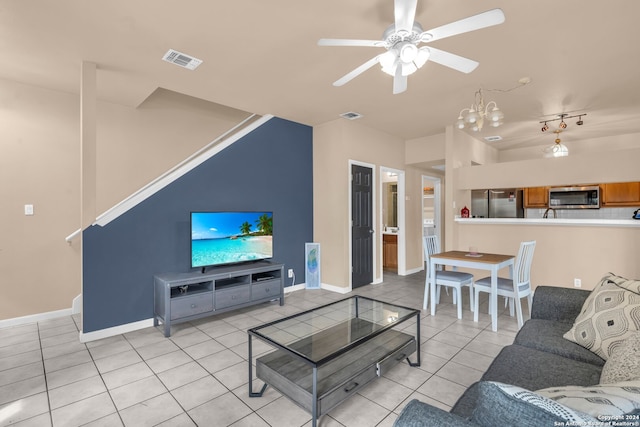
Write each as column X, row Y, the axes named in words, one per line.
column 401, row 40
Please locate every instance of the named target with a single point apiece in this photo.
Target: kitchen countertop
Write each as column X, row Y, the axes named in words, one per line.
column 552, row 222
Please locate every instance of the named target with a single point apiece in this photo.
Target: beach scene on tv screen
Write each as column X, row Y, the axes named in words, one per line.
column 230, row 237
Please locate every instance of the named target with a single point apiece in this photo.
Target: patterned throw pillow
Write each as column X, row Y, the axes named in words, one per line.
column 624, row 362
column 610, row 314
column 603, row 400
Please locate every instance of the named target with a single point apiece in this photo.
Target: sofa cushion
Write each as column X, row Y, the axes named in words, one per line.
column 547, row 335
column 624, row 362
column 420, row 414
column 530, row 369
column 602, row 401
column 562, row 304
column 609, row 315
column 467, row 402
column 534, row 369
column 507, row 405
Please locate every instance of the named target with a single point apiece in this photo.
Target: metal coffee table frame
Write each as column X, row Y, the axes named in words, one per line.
column 315, row 364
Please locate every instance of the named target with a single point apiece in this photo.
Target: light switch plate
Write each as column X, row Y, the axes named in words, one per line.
column 28, row 209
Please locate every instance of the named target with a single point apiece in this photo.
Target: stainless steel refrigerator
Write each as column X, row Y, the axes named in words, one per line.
column 497, row 203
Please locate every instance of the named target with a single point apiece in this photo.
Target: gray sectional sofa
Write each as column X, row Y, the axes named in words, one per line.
column 539, row 358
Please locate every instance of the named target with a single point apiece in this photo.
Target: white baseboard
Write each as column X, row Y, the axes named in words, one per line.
column 338, row 289
column 33, row 318
column 76, row 305
column 413, row 271
column 116, row 330
column 294, row 288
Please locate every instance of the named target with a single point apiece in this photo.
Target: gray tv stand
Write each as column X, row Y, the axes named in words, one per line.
column 182, row 297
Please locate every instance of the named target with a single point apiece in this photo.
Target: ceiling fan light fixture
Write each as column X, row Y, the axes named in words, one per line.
column 408, row 52
column 408, row 68
column 388, row 61
column 422, row 57
column 402, row 38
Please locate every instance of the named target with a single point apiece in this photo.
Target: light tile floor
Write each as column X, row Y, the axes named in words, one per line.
column 198, row 376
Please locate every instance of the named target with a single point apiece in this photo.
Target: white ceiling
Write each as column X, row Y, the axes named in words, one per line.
column 262, row 57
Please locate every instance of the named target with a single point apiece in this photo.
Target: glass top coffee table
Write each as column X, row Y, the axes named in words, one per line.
column 324, row 355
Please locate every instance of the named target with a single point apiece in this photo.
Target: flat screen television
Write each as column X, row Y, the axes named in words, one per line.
column 219, row 238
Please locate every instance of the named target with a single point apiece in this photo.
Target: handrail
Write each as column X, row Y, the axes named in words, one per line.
column 73, row 235
column 191, row 162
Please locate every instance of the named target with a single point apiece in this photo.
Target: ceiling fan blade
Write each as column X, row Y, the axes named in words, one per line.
column 361, row 69
column 405, row 13
column 460, row 63
column 472, row 23
column 350, row 42
column 399, row 81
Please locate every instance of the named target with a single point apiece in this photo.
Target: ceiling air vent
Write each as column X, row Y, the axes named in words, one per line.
column 182, row 59
column 493, row 138
column 351, row 115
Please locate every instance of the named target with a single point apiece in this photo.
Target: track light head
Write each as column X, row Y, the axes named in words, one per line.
column 545, row 127
column 580, row 122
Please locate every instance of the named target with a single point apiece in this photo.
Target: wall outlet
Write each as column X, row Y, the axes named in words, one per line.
column 290, row 273
column 577, row 283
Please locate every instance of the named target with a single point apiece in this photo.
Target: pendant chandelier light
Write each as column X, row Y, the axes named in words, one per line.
column 474, row 117
column 558, row 149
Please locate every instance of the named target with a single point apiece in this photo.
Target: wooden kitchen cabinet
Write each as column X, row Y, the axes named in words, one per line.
column 536, row 197
column 621, row 194
column 390, row 251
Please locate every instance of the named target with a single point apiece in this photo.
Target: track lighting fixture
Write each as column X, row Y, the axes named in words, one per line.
column 558, row 149
column 562, row 125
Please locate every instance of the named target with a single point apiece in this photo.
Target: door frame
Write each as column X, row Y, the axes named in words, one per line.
column 402, row 246
column 437, row 207
column 374, row 219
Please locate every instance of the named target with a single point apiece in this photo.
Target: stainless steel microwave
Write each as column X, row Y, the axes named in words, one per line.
column 574, row 197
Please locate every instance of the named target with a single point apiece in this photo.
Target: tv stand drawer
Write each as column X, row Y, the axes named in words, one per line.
column 190, row 305
column 265, row 289
column 234, row 296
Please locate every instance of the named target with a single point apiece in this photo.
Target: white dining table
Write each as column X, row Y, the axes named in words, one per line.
column 480, row 261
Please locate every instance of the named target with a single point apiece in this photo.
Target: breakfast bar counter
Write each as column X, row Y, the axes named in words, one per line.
column 552, row 222
column 569, row 252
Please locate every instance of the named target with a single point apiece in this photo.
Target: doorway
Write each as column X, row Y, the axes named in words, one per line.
column 392, row 223
column 431, row 207
column 361, row 225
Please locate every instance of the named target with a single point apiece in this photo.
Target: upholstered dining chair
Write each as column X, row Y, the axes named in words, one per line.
column 513, row 289
column 453, row 279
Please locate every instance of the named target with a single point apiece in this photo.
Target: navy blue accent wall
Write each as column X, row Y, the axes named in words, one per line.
column 270, row 169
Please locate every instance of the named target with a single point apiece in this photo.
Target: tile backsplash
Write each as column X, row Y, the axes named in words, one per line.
column 603, row 213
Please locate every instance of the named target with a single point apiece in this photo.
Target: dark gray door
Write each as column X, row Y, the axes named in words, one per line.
column 361, row 226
